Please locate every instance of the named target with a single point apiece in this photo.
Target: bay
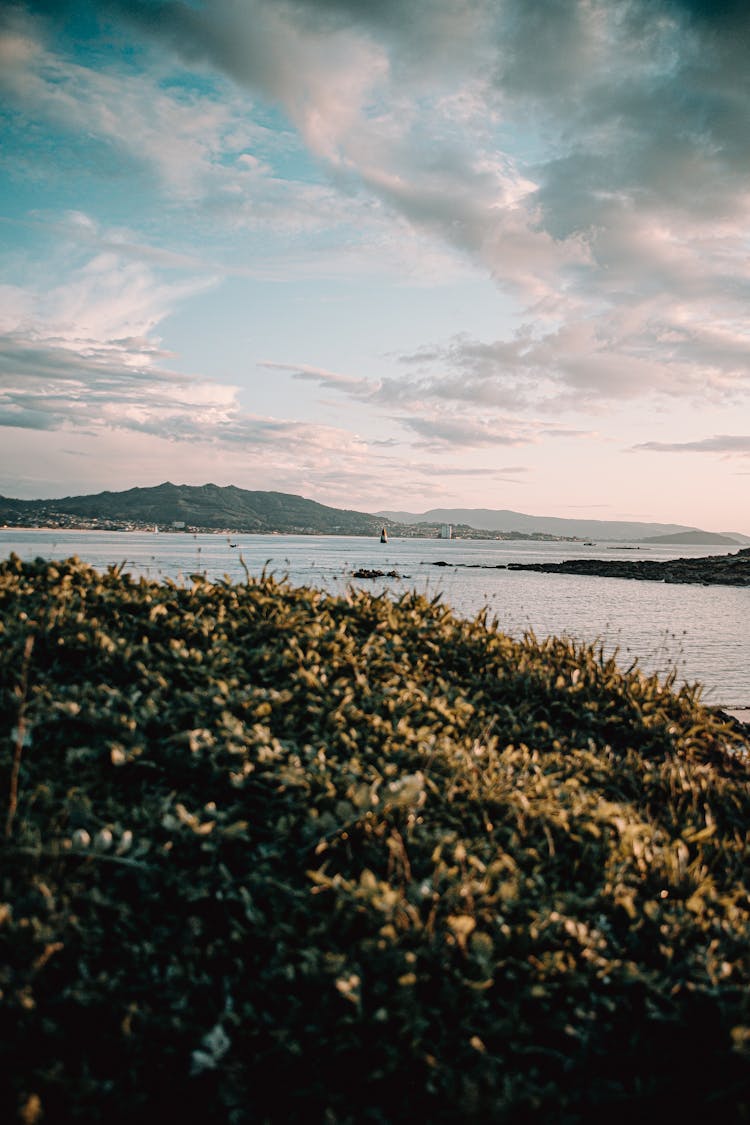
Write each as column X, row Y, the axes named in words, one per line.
column 699, row 631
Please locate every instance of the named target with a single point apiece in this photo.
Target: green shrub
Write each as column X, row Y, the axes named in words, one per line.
column 271, row 855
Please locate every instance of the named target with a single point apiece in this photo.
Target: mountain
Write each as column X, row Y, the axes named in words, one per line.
column 694, row 537
column 204, row 506
column 229, row 508
column 504, row 520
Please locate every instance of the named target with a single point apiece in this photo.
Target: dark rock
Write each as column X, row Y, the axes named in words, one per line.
column 713, row 570
column 364, row 572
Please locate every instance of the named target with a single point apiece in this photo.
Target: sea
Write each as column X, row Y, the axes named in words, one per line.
column 699, row 632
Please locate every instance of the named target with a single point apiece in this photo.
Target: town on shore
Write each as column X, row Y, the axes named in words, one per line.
column 230, row 510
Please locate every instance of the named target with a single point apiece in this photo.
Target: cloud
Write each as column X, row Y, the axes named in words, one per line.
column 446, row 471
column 95, row 293
column 139, row 120
column 337, row 86
column 48, row 388
column 203, row 144
column 82, row 355
column 470, row 409
column 561, row 150
column 356, row 387
column 720, row 443
column 83, row 359
column 618, row 103
column 18, row 416
column 442, row 429
column 59, row 385
column 320, row 75
column 82, row 230
column 589, row 156
column 417, row 405
column 562, row 432
column 644, row 351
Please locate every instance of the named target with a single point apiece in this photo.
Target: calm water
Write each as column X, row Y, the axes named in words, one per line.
column 700, row 630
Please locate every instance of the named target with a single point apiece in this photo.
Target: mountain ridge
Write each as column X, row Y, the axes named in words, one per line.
column 493, row 519
column 234, row 509
column 209, row 506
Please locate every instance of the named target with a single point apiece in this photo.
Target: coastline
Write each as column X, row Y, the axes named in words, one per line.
column 695, row 629
column 711, row 570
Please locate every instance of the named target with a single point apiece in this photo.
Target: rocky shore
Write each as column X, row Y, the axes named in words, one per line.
column 713, row 570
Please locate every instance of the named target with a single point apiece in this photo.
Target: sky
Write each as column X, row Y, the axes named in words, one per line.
column 385, row 254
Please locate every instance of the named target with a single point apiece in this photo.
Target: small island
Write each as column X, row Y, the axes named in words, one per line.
column 712, row 570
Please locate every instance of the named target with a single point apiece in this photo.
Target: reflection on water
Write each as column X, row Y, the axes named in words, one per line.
column 700, row 630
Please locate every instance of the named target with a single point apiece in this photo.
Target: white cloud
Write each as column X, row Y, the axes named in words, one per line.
column 178, row 137
column 82, row 359
column 559, row 151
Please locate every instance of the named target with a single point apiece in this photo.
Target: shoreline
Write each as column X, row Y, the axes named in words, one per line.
column 710, row 570
column 706, row 643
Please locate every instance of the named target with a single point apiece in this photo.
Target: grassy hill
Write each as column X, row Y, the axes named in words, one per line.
column 208, row 506
column 275, row 856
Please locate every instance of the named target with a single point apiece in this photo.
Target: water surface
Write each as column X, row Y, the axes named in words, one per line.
column 699, row 630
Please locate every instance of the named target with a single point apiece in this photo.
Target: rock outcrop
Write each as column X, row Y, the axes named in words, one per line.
column 713, row 570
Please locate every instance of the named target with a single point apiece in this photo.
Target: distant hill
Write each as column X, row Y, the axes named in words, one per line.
column 210, row 506
column 505, row 520
column 205, row 506
column 694, row 537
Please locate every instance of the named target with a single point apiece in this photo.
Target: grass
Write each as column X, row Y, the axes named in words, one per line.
column 274, row 855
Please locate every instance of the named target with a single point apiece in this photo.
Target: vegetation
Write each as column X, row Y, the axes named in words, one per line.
column 206, row 506
column 271, row 855
column 209, row 507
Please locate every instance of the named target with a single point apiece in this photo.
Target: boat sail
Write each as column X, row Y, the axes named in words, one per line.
column 383, row 535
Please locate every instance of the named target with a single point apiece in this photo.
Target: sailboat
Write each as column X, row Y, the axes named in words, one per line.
column 383, row 536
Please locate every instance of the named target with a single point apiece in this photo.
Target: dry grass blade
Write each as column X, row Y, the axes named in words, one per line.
column 23, row 691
